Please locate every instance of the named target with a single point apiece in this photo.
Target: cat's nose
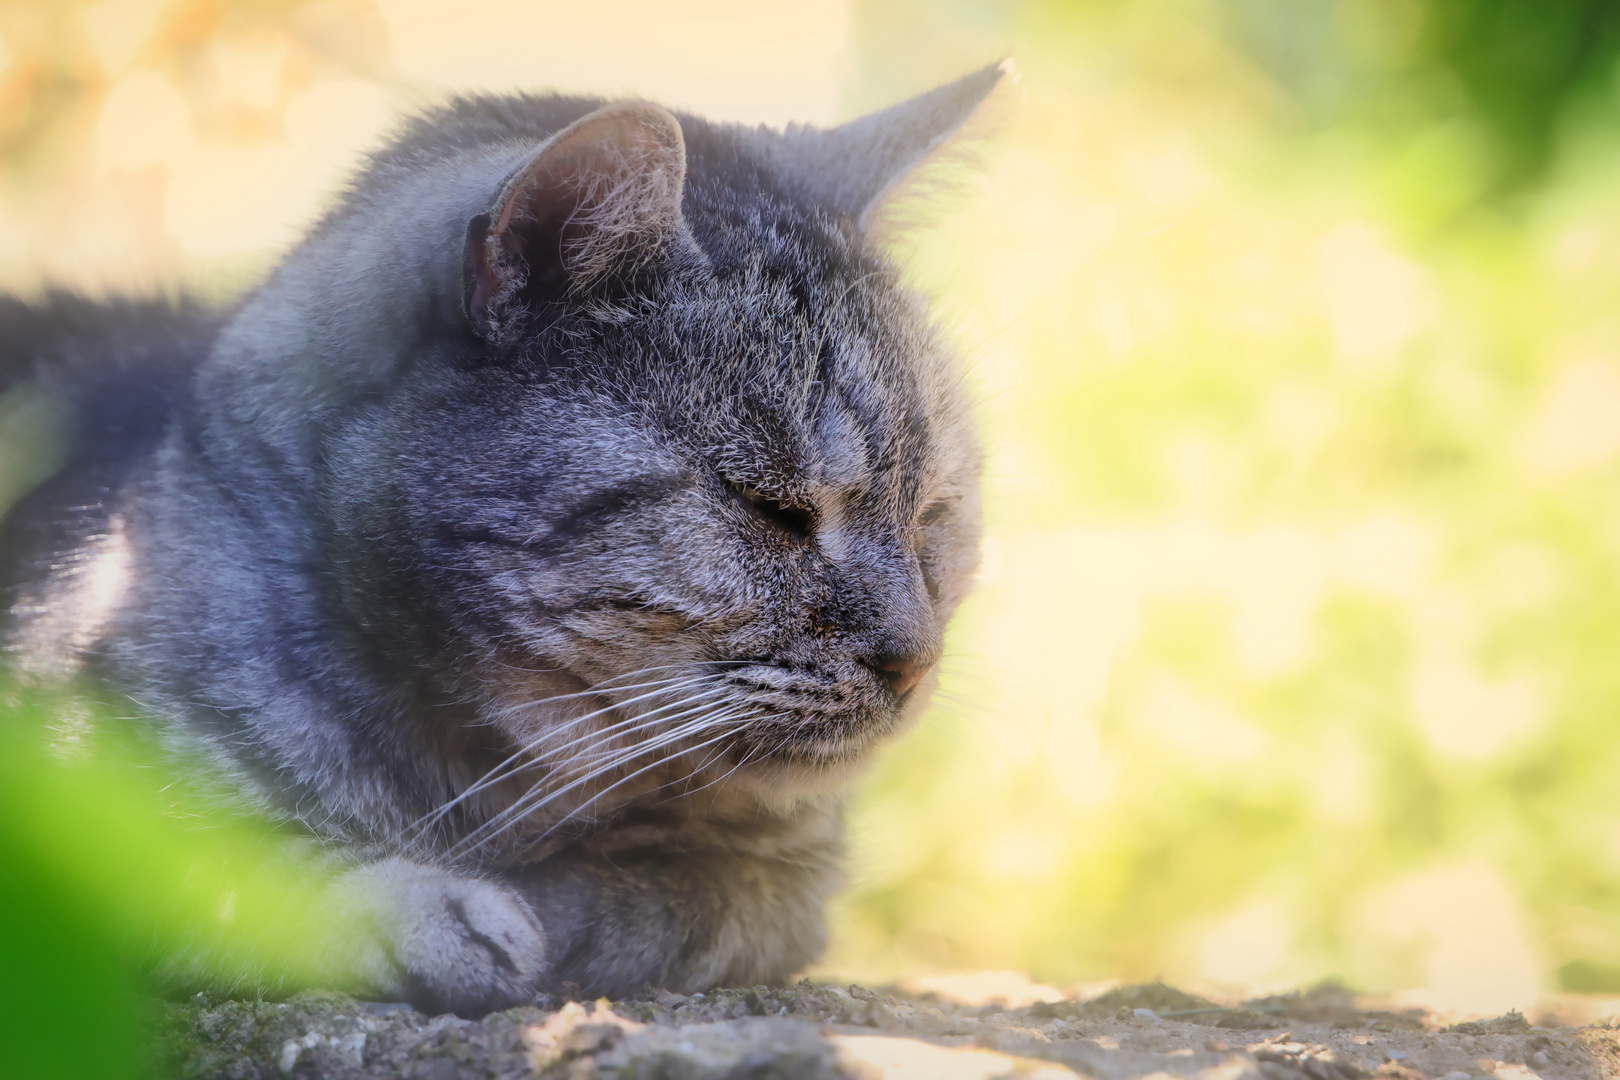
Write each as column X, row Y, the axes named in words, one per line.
column 902, row 673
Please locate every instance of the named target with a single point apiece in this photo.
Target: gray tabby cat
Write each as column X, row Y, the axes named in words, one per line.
column 551, row 536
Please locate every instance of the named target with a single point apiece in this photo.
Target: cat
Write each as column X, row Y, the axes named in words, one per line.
column 549, row 538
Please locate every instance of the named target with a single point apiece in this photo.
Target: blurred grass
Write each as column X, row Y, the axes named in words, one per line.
column 115, row 870
column 68, row 1006
column 1293, row 324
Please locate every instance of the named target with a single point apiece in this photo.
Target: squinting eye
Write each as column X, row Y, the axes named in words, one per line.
column 934, row 511
column 796, row 521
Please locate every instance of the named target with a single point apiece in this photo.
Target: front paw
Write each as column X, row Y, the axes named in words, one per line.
column 449, row 943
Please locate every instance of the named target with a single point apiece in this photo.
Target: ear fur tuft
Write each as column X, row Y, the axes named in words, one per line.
column 599, row 199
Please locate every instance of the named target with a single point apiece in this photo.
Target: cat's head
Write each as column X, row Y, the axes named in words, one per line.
column 598, row 401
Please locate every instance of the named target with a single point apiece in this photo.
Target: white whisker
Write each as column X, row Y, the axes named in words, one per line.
column 538, row 798
column 623, row 757
column 510, row 767
column 731, row 729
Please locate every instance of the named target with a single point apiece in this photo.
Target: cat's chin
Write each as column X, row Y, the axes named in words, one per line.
column 782, row 786
column 813, row 767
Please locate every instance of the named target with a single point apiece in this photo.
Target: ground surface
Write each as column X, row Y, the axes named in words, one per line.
column 822, row 1032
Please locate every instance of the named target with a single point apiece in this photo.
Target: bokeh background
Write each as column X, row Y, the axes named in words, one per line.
column 1295, row 327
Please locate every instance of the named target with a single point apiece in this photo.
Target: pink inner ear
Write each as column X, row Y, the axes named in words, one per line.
column 486, row 280
column 603, row 191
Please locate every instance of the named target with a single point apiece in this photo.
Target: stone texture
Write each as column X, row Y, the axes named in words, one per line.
column 823, row 1032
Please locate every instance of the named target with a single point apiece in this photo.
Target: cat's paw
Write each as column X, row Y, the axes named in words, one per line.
column 447, row 942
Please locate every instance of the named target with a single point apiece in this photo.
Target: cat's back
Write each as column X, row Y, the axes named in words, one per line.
column 88, row 389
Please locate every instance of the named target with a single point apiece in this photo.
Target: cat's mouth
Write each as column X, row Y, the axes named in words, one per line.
column 816, row 715
column 690, row 727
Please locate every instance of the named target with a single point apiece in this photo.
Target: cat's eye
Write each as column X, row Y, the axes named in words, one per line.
column 933, row 512
column 796, row 521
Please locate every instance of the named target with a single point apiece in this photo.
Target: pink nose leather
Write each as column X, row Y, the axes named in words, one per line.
column 901, row 675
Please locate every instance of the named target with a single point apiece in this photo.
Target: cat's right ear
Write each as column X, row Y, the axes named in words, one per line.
column 598, row 201
column 855, row 170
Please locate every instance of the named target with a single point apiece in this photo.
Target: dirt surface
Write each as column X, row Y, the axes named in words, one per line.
column 822, row 1032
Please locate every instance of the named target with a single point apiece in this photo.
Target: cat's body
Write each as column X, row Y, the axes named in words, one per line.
column 549, row 536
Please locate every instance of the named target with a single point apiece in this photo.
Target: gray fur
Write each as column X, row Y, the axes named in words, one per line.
column 851, row 169
column 552, row 535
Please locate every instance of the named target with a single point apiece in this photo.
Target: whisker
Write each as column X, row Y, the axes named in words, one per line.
column 594, row 691
column 746, row 758
column 731, row 729
column 638, row 720
column 623, row 757
column 609, row 683
column 513, row 766
column 506, row 768
column 712, row 758
column 510, row 766
column 529, row 803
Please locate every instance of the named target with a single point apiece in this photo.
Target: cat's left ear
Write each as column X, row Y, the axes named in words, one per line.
column 599, row 200
column 855, row 168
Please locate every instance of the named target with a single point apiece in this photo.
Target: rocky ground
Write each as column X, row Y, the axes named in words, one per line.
column 823, row 1032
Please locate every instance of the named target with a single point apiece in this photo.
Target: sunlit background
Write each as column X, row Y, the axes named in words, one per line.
column 1295, row 326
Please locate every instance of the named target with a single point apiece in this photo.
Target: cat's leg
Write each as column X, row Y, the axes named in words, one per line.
column 679, row 919
column 392, row 930
column 443, row 941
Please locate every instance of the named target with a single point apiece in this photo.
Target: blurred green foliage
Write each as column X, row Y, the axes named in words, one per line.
column 1513, row 76
column 67, row 1004
column 113, row 870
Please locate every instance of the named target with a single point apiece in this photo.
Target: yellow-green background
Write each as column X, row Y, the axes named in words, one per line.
column 1295, row 326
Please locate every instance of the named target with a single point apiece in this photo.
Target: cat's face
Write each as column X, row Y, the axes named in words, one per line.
column 699, row 479
column 719, row 498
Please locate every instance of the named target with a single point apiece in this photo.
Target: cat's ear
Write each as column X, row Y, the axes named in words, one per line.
column 852, row 169
column 598, row 200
